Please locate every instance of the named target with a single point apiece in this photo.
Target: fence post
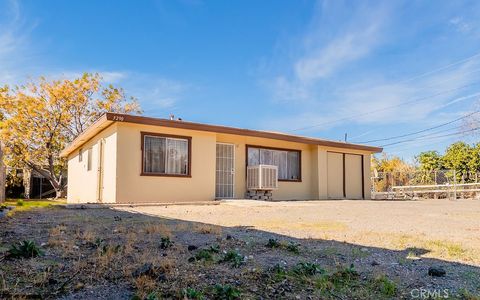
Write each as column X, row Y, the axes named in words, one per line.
column 454, row 185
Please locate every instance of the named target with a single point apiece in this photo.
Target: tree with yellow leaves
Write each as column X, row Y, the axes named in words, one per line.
column 41, row 118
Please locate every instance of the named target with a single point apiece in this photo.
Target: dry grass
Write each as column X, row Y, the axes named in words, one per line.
column 144, row 285
column 207, row 229
column 160, row 229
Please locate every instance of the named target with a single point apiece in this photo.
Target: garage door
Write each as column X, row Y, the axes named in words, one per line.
column 335, row 175
column 353, row 176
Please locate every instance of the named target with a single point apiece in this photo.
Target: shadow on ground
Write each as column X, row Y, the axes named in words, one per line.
column 105, row 254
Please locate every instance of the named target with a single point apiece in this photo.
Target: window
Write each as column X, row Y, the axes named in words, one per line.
column 165, row 155
column 287, row 161
column 89, row 159
column 80, row 155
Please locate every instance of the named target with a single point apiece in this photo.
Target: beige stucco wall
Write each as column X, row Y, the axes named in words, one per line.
column 124, row 184
column 131, row 187
column 83, row 184
column 286, row 190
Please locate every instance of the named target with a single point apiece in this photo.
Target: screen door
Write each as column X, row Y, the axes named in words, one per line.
column 225, row 171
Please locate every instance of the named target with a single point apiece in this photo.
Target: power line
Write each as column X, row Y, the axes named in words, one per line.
column 389, row 107
column 403, row 81
column 441, row 68
column 429, row 138
column 420, row 131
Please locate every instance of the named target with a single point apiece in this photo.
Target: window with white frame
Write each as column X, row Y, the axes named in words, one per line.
column 287, row 161
column 165, row 155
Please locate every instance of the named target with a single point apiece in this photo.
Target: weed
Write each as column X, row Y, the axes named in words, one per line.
column 25, row 249
column 279, row 272
column 307, row 269
column 293, row 247
column 152, row 296
column 161, row 229
column 207, row 229
column 144, row 286
column 204, row 254
column 466, row 295
column 20, row 203
column 273, row 243
column 360, row 252
column 234, row 257
column 214, row 249
column 226, row 292
column 344, row 275
column 110, row 249
column 192, row 294
column 386, row 286
column 165, row 243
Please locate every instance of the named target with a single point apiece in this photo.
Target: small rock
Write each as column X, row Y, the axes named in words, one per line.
column 229, row 237
column 192, row 247
column 191, row 259
column 436, row 271
column 78, row 286
column 375, row 263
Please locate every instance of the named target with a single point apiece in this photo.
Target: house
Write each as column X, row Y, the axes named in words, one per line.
column 134, row 159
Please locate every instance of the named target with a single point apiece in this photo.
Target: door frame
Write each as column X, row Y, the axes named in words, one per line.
column 100, row 170
column 233, row 169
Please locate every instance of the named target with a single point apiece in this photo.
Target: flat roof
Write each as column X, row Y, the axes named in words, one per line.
column 109, row 118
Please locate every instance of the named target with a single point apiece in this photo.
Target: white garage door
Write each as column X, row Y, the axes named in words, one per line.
column 353, row 176
column 335, row 175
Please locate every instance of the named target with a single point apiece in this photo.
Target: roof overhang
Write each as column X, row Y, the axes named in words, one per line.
column 109, row 118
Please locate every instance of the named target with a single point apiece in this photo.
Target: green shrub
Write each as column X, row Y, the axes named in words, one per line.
column 165, row 243
column 192, row 294
column 234, row 257
column 204, row 254
column 152, row 296
column 226, row 292
column 25, row 249
column 344, row 275
column 214, row 249
column 279, row 272
column 307, row 269
column 386, row 286
column 20, row 203
column 273, row 243
column 293, row 247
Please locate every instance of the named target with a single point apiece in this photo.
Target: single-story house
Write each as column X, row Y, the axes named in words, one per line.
column 134, row 159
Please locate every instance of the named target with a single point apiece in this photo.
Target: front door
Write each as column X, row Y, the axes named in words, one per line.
column 225, row 171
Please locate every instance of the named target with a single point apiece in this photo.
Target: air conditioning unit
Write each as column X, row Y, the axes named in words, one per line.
column 262, row 177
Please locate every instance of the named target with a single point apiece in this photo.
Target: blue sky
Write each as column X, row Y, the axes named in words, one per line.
column 368, row 69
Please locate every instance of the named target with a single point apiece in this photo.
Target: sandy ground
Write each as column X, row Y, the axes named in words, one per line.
column 447, row 229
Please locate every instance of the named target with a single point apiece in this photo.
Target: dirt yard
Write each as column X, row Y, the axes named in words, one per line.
column 449, row 230
column 245, row 250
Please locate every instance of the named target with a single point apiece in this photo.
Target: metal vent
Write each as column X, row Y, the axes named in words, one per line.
column 262, row 177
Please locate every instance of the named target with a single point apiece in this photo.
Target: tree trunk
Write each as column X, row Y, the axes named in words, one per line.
column 27, row 179
column 3, row 175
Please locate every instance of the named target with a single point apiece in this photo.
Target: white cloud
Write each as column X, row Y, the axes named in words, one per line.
column 386, row 102
column 324, row 61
